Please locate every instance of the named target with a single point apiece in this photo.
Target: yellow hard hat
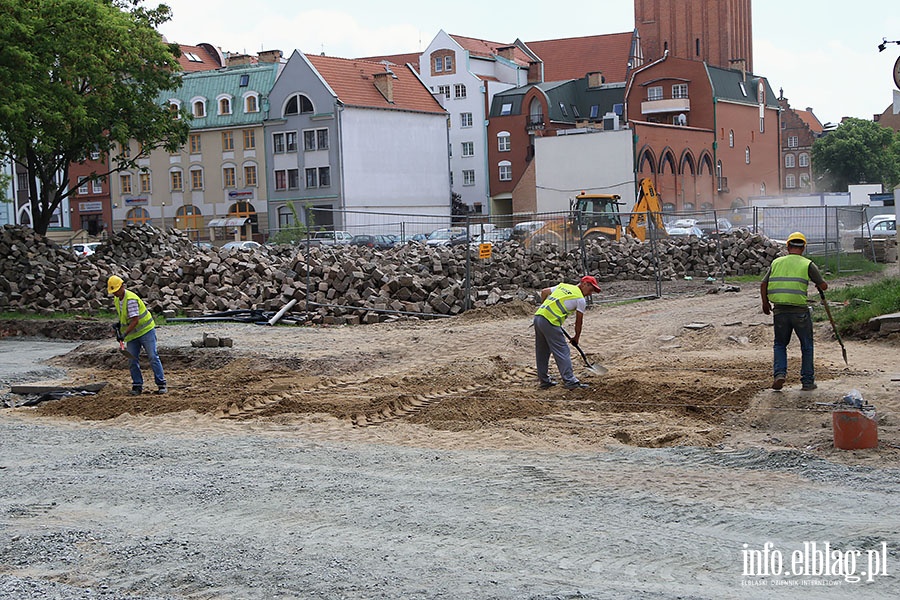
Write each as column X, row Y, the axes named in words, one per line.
column 113, row 284
column 796, row 239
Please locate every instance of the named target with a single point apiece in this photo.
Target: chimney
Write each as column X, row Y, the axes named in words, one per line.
column 742, row 66
column 270, row 56
column 535, row 71
column 507, row 52
column 234, row 60
column 384, row 83
column 595, row 79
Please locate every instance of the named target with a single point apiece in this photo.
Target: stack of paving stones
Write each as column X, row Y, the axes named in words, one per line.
column 173, row 276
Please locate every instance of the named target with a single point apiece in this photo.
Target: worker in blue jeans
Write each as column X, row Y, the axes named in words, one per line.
column 139, row 331
column 783, row 291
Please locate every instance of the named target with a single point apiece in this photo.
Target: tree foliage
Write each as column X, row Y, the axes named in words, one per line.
column 858, row 151
column 82, row 76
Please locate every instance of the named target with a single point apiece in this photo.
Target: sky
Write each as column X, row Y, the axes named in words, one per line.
column 822, row 55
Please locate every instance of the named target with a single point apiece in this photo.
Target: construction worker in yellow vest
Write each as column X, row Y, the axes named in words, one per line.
column 784, row 287
column 557, row 303
column 139, row 331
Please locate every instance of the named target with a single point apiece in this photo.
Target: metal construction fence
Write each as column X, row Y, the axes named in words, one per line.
column 550, row 247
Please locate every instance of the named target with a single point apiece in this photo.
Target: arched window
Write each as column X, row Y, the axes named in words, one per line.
column 188, row 217
column 199, row 108
column 251, row 104
column 789, row 161
column 137, row 216
column 245, row 209
column 225, row 106
column 505, row 170
column 298, row 104
column 804, row 159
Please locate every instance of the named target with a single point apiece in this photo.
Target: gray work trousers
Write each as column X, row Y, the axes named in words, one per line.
column 549, row 339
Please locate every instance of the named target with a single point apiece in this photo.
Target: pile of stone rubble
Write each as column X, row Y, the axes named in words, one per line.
column 338, row 284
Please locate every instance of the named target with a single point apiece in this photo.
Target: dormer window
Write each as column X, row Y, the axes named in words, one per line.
column 225, row 106
column 199, row 108
column 245, row 80
column 251, row 104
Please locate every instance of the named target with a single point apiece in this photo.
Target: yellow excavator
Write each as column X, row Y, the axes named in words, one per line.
column 596, row 216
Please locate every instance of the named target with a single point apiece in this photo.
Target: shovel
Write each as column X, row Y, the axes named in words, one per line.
column 596, row 369
column 121, row 339
column 834, row 327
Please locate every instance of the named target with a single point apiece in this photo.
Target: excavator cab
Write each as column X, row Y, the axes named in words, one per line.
column 599, row 215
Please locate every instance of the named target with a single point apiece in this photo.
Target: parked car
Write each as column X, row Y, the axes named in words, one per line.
column 332, row 238
column 85, row 249
column 442, row 237
column 685, row 231
column 242, row 245
column 372, row 241
column 521, row 231
column 883, row 225
column 418, row 238
column 499, row 235
column 682, row 223
column 709, row 227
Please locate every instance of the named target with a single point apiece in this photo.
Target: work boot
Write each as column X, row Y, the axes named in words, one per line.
column 548, row 384
column 162, row 390
column 808, row 387
column 577, row 386
column 778, row 383
column 136, row 391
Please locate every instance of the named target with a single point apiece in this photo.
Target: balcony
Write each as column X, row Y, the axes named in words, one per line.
column 722, row 185
column 665, row 105
column 534, row 121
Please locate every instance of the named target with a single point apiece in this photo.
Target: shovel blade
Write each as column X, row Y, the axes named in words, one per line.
column 596, row 369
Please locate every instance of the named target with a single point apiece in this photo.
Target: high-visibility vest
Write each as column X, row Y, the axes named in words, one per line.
column 145, row 319
column 554, row 307
column 789, row 280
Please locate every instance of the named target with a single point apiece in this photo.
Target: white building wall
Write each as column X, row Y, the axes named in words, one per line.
column 394, row 162
column 469, row 71
column 599, row 163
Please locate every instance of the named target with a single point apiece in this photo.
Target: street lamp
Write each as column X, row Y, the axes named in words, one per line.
column 164, row 216
column 885, row 42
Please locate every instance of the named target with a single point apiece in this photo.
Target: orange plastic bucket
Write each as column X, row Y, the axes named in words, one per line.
column 853, row 430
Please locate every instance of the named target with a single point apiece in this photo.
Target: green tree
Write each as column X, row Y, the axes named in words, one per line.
column 858, row 151
column 81, row 76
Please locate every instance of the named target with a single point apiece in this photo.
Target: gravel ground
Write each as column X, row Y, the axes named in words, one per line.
column 110, row 511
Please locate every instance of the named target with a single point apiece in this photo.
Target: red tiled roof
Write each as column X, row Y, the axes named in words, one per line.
column 208, row 60
column 396, row 59
column 811, row 120
column 354, row 83
column 485, row 48
column 573, row 58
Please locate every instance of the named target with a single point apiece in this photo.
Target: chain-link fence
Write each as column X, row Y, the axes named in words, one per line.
column 480, row 260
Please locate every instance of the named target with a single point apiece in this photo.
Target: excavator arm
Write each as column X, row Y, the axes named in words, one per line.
column 646, row 208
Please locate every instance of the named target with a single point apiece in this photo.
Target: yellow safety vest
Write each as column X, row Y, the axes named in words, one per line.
column 789, row 280
column 554, row 307
column 145, row 319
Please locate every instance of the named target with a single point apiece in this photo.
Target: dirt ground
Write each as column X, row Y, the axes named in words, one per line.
column 420, row 460
column 691, row 369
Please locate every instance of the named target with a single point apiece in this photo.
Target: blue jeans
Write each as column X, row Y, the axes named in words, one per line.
column 148, row 343
column 801, row 324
